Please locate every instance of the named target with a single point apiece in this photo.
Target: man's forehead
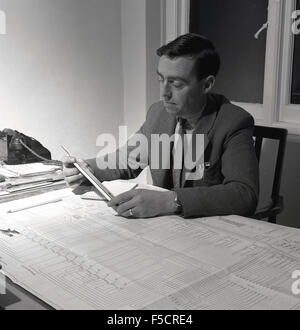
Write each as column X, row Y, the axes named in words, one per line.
column 181, row 66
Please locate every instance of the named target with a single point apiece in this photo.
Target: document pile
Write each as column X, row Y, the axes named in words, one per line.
column 18, row 180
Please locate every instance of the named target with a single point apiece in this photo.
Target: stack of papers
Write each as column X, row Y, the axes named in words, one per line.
column 33, row 169
column 28, row 178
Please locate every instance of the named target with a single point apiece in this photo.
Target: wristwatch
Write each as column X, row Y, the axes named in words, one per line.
column 178, row 204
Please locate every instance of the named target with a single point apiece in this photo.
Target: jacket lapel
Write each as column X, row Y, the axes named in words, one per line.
column 203, row 128
column 167, row 124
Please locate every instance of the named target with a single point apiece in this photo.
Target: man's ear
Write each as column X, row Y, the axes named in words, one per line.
column 209, row 83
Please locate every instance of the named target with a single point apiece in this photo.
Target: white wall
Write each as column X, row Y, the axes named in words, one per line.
column 153, row 37
column 61, row 71
column 140, row 38
column 134, row 62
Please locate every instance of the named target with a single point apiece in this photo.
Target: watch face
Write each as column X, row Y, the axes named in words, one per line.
column 179, row 210
column 177, row 204
column 178, row 207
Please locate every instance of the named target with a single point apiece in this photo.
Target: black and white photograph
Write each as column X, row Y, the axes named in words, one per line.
column 150, row 158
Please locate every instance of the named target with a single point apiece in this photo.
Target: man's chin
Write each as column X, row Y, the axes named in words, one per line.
column 171, row 109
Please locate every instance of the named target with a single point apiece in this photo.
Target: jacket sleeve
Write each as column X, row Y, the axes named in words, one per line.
column 238, row 193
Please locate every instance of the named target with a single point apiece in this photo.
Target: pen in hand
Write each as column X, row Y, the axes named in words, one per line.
column 67, row 151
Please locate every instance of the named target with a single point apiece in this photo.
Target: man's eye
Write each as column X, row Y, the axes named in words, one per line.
column 178, row 84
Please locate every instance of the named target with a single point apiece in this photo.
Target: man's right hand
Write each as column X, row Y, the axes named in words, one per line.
column 70, row 172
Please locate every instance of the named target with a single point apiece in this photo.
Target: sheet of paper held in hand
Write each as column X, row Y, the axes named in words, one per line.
column 78, row 254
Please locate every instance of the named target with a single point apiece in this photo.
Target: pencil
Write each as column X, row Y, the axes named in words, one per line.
column 25, row 207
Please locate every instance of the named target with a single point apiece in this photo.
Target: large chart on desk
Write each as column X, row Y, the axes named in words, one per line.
column 78, row 254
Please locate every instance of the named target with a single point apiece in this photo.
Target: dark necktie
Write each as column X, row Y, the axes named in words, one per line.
column 179, row 150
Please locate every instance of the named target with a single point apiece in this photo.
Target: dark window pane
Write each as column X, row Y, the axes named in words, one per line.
column 231, row 26
column 295, row 99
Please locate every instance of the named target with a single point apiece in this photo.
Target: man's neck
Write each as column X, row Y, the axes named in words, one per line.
column 194, row 119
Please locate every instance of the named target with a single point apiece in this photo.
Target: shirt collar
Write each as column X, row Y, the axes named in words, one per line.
column 192, row 122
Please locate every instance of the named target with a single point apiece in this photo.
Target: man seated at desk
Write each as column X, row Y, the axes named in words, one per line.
column 226, row 180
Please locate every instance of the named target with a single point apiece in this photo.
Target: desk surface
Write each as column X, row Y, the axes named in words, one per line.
column 79, row 254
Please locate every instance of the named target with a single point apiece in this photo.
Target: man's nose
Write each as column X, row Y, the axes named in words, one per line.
column 166, row 92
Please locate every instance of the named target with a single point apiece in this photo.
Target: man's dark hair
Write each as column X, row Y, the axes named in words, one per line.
column 194, row 46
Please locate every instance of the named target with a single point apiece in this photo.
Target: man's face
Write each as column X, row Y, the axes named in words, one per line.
column 182, row 93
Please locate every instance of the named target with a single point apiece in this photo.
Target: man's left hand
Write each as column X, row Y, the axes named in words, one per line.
column 142, row 203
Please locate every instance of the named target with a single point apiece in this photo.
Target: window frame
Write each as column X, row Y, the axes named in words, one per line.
column 290, row 113
column 276, row 109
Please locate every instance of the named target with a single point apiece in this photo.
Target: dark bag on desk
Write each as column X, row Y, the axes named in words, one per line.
column 18, row 148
